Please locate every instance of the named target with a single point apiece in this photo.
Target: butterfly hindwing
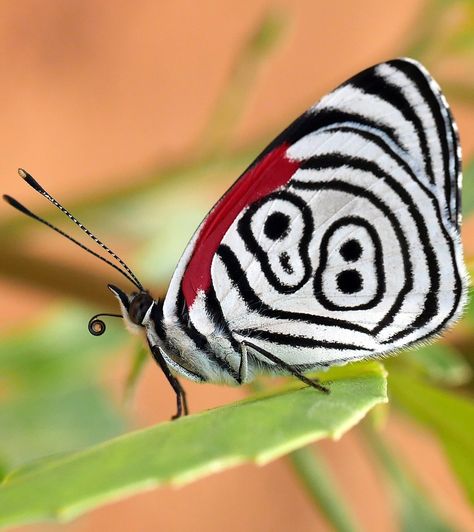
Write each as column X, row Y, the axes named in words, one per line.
column 341, row 241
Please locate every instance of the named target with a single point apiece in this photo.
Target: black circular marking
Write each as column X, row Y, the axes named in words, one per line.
column 276, row 225
column 351, row 250
column 349, row 281
column 318, row 285
column 255, row 247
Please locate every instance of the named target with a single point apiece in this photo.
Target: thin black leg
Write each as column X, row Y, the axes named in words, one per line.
column 181, row 402
column 243, row 366
column 280, row 363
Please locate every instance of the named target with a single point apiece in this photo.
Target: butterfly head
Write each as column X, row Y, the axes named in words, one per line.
column 134, row 306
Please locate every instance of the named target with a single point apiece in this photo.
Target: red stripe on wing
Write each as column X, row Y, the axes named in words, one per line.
column 270, row 173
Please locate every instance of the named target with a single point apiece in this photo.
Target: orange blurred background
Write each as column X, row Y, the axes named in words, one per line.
column 96, row 95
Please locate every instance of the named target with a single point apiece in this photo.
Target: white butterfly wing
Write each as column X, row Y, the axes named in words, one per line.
column 358, row 253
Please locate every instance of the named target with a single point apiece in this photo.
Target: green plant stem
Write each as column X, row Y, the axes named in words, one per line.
column 140, row 358
column 384, row 455
column 415, row 510
column 230, row 104
column 313, row 474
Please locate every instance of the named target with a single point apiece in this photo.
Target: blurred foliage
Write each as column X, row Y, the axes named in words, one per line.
column 316, row 479
column 414, row 509
column 259, row 428
column 468, row 188
column 51, row 398
column 445, row 28
column 260, row 43
column 449, row 415
column 139, row 361
column 440, row 362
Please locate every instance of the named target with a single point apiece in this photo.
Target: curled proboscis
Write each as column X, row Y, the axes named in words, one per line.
column 96, row 326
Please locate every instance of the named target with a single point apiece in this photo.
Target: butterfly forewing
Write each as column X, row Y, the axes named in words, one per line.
column 341, row 241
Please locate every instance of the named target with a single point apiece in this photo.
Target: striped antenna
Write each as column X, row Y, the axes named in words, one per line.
column 17, row 205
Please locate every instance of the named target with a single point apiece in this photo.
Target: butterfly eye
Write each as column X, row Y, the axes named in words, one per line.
column 350, row 275
column 277, row 231
column 139, row 307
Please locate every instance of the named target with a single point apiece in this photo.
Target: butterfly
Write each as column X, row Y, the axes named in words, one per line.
column 340, row 242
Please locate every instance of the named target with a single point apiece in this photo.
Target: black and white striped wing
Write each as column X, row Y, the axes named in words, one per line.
column 358, row 252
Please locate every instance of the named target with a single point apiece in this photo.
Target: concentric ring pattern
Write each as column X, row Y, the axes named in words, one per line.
column 359, row 252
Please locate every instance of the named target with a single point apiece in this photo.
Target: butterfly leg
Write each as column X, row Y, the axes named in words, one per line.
column 243, row 367
column 181, row 403
column 310, row 382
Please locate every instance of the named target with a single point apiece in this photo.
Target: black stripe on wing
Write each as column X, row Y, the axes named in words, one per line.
column 299, row 341
column 309, row 122
column 446, row 131
column 370, row 81
column 239, row 281
column 331, row 161
column 215, row 314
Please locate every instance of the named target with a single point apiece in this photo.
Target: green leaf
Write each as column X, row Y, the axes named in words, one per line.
column 38, row 425
column 450, row 416
column 258, row 429
column 468, row 317
column 3, row 470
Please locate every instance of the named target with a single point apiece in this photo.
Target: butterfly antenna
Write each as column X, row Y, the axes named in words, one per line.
column 17, row 205
column 34, row 184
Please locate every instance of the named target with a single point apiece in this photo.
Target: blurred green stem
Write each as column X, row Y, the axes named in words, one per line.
column 427, row 25
column 415, row 511
column 230, row 104
column 140, row 358
column 384, row 455
column 313, row 474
